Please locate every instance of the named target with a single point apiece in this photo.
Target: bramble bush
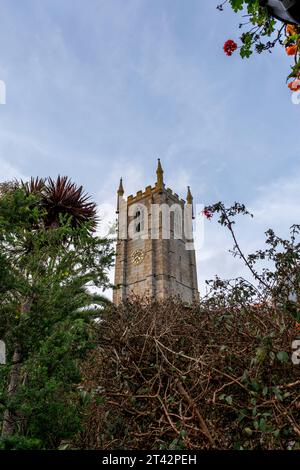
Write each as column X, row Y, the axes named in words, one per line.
column 217, row 374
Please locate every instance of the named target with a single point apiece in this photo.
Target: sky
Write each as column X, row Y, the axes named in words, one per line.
column 100, row 89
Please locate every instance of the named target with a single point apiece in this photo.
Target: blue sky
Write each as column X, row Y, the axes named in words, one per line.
column 99, row 89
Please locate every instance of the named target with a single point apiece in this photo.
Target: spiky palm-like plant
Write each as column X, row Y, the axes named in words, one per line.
column 62, row 197
column 34, row 186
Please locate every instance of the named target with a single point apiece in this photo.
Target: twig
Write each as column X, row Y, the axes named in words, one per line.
column 190, row 401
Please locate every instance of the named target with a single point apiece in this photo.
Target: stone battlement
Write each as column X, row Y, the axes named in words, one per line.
column 151, row 190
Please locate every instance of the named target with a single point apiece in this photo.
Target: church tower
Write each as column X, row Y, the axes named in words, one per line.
column 155, row 256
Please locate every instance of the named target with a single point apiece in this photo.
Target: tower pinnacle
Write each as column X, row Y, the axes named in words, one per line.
column 189, row 197
column 121, row 189
column 160, row 176
column 189, row 200
column 120, row 193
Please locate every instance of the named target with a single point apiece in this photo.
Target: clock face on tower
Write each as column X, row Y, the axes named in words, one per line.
column 137, row 257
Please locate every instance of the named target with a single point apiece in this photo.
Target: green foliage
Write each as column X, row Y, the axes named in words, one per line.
column 20, row 443
column 261, row 24
column 46, row 307
column 49, row 401
column 264, row 31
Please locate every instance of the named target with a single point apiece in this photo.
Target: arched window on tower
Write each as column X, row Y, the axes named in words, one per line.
column 139, row 219
column 178, row 223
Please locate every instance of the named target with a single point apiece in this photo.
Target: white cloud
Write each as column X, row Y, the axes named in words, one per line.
column 9, row 172
column 134, row 179
column 279, row 203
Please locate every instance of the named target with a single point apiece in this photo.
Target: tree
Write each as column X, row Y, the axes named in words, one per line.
column 49, row 257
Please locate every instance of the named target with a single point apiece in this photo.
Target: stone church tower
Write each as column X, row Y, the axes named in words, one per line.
column 155, row 256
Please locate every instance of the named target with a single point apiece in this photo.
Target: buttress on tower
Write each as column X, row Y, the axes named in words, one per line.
column 155, row 255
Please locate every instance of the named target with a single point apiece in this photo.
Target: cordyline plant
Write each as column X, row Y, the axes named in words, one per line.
column 62, row 196
column 263, row 34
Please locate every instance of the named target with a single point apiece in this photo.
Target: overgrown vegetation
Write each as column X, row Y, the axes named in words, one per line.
column 165, row 376
column 219, row 374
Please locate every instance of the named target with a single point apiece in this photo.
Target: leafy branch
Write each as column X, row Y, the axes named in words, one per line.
column 263, row 34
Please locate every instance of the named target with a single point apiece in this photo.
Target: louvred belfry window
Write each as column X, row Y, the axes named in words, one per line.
column 139, row 219
column 177, row 223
